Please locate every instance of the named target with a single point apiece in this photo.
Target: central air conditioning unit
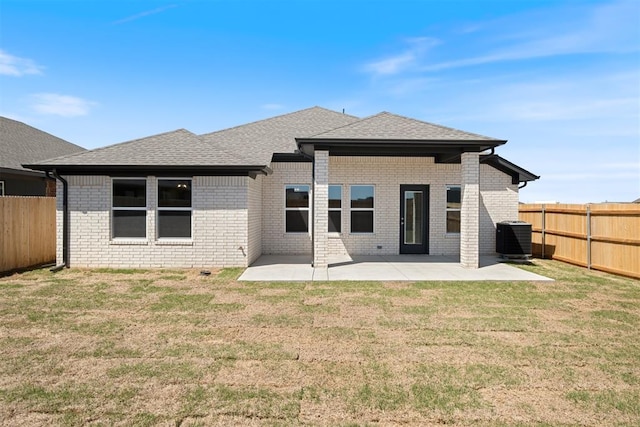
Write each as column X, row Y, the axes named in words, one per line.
column 513, row 239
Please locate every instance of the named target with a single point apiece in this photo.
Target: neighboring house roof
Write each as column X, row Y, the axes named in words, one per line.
column 252, row 147
column 21, row 144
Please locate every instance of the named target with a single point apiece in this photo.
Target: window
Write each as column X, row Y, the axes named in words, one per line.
column 297, row 208
column 453, row 208
column 335, row 208
column 1, row 188
column 129, row 208
column 174, row 208
column 362, row 198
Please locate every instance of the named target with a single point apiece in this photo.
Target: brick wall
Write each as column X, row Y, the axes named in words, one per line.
column 498, row 202
column 255, row 219
column 230, row 213
column 220, row 226
column 274, row 239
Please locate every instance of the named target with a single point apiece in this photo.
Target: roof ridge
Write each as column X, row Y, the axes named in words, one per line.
column 273, row 118
column 360, row 120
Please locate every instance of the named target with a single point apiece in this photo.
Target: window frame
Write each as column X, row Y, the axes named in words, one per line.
column 335, row 209
column 298, row 209
column 448, row 209
column 173, row 209
column 372, row 209
column 144, row 208
column 1, row 188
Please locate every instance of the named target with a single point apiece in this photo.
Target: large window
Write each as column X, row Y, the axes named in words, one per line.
column 453, row 208
column 335, row 208
column 174, row 208
column 296, row 208
column 362, row 205
column 129, row 208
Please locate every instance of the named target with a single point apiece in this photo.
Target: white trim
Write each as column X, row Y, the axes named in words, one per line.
column 335, row 233
column 308, row 209
column 447, row 209
column 131, row 240
column 170, row 240
column 372, row 210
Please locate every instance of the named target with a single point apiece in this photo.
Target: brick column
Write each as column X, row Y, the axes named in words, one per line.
column 470, row 211
column 321, row 209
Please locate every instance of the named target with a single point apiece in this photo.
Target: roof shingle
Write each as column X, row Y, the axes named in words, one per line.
column 21, row 144
column 179, row 147
column 388, row 126
column 261, row 139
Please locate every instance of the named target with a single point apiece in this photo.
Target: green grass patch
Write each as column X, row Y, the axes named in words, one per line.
column 183, row 302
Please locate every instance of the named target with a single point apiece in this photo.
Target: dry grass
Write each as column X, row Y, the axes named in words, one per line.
column 126, row 347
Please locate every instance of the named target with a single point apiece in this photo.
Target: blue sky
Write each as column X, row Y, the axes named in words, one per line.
column 559, row 79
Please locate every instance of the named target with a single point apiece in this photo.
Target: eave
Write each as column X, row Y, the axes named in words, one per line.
column 162, row 170
column 442, row 150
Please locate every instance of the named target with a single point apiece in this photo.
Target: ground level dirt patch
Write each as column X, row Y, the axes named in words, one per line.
column 172, row 347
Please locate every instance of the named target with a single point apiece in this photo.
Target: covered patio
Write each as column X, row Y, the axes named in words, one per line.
column 384, row 268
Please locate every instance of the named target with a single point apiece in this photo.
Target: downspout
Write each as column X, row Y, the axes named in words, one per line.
column 65, row 223
column 490, row 155
column 313, row 201
column 524, row 184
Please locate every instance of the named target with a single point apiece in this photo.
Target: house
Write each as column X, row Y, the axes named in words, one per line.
column 312, row 182
column 21, row 143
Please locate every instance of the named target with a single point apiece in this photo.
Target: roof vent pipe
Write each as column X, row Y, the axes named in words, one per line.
column 65, row 223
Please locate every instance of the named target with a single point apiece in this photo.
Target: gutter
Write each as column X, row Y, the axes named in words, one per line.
column 65, row 223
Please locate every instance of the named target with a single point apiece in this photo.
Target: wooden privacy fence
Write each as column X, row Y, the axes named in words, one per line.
column 28, row 227
column 600, row 236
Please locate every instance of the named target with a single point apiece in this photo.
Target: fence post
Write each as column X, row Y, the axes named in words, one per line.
column 543, row 226
column 589, row 236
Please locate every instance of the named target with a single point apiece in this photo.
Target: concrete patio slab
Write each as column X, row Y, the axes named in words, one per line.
column 383, row 268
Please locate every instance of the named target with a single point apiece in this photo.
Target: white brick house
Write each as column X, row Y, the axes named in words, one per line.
column 312, row 182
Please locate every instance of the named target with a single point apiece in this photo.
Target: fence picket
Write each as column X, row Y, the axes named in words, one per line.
column 600, row 236
column 28, row 232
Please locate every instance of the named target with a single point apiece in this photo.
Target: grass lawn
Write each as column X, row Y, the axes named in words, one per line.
column 160, row 347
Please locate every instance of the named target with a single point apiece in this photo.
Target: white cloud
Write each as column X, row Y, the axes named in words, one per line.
column 603, row 28
column 397, row 63
column 60, row 105
column 15, row 66
column 144, row 14
column 609, row 28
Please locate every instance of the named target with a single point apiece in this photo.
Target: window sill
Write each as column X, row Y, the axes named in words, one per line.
column 452, row 235
column 129, row 242
column 334, row 235
column 174, row 242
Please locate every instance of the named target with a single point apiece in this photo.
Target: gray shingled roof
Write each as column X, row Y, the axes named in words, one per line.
column 261, row 139
column 255, row 143
column 179, row 147
column 387, row 126
column 21, row 144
